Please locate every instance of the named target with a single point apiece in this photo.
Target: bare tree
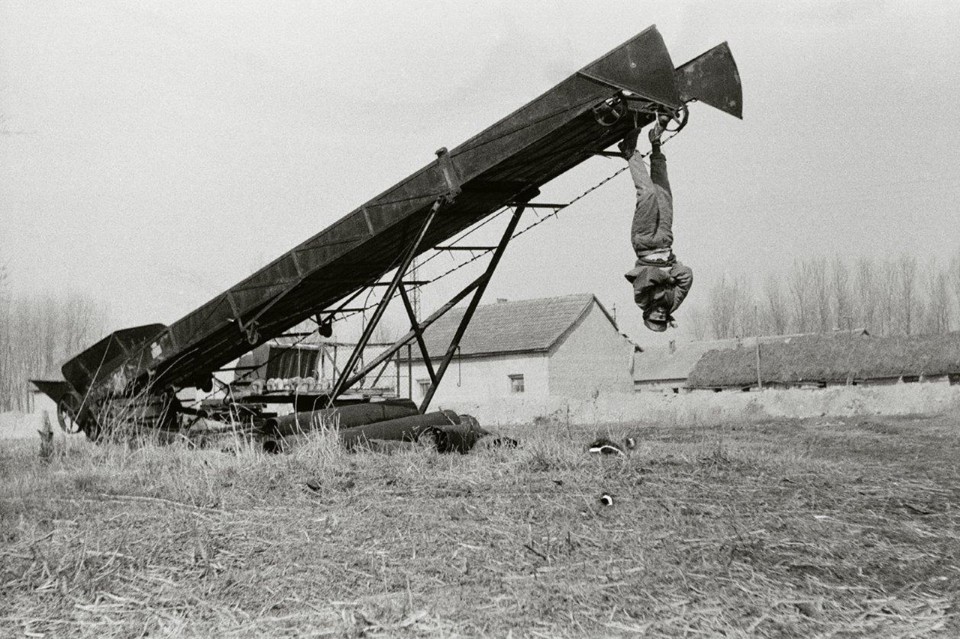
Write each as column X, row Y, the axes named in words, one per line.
column 866, row 295
column 954, row 279
column 819, row 289
column 4, row 337
column 38, row 333
column 696, row 324
column 800, row 296
column 722, row 312
column 907, row 292
column 937, row 315
column 776, row 310
column 748, row 311
column 887, row 290
column 840, row 292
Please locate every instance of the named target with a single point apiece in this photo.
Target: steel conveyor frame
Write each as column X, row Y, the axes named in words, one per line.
column 580, row 117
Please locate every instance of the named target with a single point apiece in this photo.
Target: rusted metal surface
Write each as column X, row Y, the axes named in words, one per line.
column 712, row 78
column 444, row 430
column 402, row 429
column 104, row 362
column 342, row 417
column 55, row 389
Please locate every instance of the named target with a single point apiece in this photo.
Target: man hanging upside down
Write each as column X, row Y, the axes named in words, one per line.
column 660, row 282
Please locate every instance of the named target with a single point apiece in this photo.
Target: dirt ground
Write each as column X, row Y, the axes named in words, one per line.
column 765, row 527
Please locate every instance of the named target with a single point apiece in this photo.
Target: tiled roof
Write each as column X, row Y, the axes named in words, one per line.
column 525, row 326
column 661, row 363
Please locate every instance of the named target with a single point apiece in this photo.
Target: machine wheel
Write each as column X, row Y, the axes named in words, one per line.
column 678, row 120
column 609, row 112
column 67, row 410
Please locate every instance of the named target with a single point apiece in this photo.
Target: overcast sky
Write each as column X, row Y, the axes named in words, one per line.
column 154, row 153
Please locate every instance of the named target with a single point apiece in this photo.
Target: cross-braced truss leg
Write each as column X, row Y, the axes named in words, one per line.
column 348, row 377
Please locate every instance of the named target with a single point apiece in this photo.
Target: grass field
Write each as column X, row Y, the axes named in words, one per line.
column 780, row 528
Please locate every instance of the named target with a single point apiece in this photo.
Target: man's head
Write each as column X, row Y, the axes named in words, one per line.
column 656, row 319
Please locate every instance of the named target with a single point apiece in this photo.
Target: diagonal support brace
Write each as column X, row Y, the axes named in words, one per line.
column 408, row 257
column 472, row 307
column 418, row 332
column 406, row 339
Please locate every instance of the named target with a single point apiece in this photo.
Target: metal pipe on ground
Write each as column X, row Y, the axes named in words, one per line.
column 341, row 417
column 403, row 429
column 408, row 428
column 449, row 432
column 445, row 430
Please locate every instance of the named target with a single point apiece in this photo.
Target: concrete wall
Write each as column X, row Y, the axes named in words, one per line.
column 880, row 381
column 661, row 386
column 484, row 379
column 593, row 358
column 706, row 407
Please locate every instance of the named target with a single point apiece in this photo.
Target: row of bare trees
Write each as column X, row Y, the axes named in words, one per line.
column 893, row 296
column 37, row 333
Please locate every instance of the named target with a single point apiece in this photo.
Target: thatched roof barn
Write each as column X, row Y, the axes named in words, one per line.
column 831, row 359
column 668, row 368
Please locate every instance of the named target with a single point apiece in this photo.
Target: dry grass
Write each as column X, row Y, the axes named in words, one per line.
column 779, row 528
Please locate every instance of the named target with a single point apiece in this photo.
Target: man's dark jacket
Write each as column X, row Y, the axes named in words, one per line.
column 660, row 286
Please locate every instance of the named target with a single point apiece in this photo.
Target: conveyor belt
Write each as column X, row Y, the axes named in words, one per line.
column 528, row 148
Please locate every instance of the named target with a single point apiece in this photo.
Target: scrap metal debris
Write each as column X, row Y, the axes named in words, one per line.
column 604, row 446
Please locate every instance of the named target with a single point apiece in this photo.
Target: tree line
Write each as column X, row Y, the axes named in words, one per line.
column 38, row 332
column 891, row 296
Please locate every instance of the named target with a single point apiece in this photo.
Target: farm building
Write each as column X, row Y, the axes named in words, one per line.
column 560, row 346
column 820, row 361
column 668, row 368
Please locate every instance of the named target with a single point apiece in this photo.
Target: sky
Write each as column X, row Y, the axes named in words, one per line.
column 152, row 154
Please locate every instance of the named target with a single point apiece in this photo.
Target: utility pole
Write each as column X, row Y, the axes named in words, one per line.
column 415, row 297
